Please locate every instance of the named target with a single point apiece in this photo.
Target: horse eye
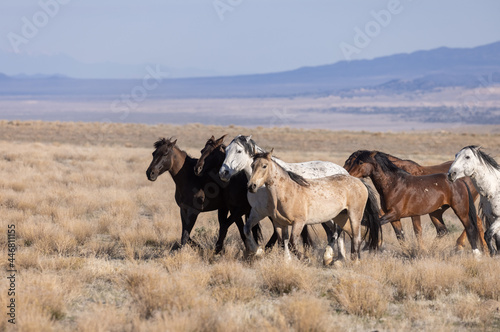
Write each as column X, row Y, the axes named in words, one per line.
column 467, row 157
column 238, row 151
column 264, row 166
column 360, row 162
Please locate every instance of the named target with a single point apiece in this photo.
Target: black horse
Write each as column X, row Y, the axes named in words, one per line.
column 195, row 194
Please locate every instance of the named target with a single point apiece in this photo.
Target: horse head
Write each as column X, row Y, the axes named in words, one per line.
column 465, row 163
column 260, row 170
column 207, row 157
column 239, row 154
column 162, row 158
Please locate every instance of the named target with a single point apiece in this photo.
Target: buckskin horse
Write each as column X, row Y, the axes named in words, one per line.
column 291, row 200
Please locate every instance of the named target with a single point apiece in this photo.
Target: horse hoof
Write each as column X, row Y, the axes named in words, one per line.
column 476, row 253
column 259, row 252
column 338, row 264
column 328, row 256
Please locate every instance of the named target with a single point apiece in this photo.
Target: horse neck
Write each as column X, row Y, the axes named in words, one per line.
column 179, row 166
column 486, row 180
column 282, row 184
column 381, row 180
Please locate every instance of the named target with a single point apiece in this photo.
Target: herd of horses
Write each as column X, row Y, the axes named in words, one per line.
column 242, row 179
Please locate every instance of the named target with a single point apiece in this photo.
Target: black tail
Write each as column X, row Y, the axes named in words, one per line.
column 472, row 209
column 485, row 212
column 371, row 218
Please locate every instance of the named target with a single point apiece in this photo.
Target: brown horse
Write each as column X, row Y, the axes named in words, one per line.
column 415, row 169
column 404, row 195
column 211, row 159
column 195, row 194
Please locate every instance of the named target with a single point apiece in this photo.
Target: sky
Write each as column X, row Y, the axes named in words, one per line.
column 230, row 37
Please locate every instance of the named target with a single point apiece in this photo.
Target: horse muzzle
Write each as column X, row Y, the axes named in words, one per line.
column 152, row 175
column 224, row 175
column 252, row 187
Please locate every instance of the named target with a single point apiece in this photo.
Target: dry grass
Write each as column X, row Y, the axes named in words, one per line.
column 94, row 239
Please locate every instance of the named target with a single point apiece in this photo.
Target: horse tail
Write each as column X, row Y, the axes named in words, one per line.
column 472, row 209
column 371, row 218
column 485, row 211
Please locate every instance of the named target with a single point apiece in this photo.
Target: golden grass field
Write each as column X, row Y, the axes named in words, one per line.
column 94, row 235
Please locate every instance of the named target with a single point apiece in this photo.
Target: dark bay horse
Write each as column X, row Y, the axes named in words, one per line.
column 416, row 169
column 404, row 195
column 210, row 161
column 195, row 194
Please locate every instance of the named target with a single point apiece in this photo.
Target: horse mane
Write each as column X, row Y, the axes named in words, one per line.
column 386, row 165
column 399, row 159
column 293, row 176
column 484, row 157
column 161, row 142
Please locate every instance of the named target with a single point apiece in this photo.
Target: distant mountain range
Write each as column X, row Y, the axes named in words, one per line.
column 421, row 70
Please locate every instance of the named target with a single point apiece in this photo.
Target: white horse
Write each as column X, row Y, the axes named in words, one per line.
column 484, row 172
column 239, row 157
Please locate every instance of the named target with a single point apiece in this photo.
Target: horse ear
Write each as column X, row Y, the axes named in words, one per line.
column 270, row 154
column 212, row 138
column 173, row 143
column 220, row 140
column 249, row 138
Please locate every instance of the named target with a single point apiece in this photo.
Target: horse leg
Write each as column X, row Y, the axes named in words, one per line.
column 398, row 229
column 480, row 230
column 355, row 221
column 275, row 237
column 297, row 228
column 286, row 237
column 224, row 223
column 188, row 217
column 437, row 221
column 493, row 235
column 470, row 229
column 417, row 229
column 250, row 243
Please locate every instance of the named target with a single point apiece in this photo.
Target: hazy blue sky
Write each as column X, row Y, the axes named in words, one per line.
column 251, row 36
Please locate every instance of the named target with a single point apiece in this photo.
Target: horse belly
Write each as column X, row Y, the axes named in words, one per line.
column 424, row 201
column 325, row 208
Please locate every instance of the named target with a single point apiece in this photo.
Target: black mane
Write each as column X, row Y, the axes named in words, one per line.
column 386, row 165
column 160, row 142
column 484, row 157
